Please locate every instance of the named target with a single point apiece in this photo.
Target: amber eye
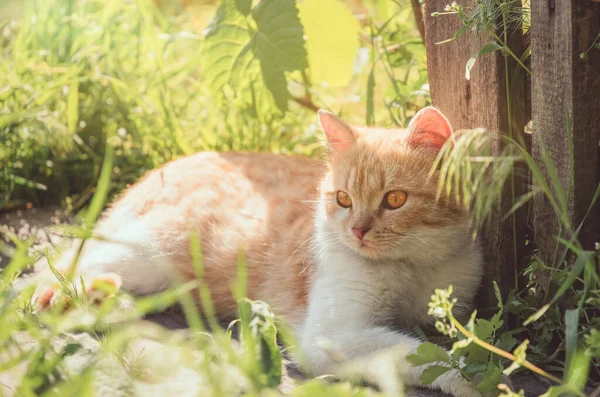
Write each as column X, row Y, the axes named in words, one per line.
column 394, row 199
column 343, row 199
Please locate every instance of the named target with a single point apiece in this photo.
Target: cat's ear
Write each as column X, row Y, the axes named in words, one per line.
column 339, row 135
column 429, row 128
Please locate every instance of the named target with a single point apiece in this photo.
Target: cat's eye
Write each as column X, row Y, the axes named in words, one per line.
column 394, row 199
column 343, row 199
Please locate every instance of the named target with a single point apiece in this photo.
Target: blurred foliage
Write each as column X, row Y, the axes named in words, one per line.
column 162, row 79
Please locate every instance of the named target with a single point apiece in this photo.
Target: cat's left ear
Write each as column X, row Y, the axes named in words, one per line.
column 429, row 128
column 339, row 135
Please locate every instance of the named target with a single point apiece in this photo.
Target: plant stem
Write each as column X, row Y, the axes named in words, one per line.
column 501, row 352
column 306, row 101
column 510, row 134
column 512, row 54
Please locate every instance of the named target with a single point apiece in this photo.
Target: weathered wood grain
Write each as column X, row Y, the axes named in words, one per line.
column 566, row 86
column 479, row 102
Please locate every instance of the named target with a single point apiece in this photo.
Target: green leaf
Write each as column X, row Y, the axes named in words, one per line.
column 241, row 52
column 491, row 378
column 458, row 33
column 102, row 188
column 474, row 353
column 498, row 295
column 577, row 374
column 332, row 40
column 486, row 49
column 461, row 344
column 259, row 337
column 506, row 342
column 370, row 95
column 73, row 106
column 430, row 374
column 428, row 353
column 243, row 6
column 26, row 182
column 475, row 368
column 571, row 324
column 562, row 391
column 485, row 329
column 520, row 354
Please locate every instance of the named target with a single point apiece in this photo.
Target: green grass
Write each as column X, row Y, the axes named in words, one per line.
column 74, row 75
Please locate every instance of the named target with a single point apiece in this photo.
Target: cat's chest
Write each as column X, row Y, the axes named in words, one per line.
column 394, row 295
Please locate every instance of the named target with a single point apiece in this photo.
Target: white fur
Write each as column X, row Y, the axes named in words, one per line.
column 131, row 251
column 349, row 292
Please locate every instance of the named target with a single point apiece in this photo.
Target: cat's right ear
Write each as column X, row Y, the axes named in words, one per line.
column 339, row 135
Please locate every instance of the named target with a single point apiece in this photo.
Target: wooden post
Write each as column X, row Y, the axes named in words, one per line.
column 566, row 86
column 478, row 102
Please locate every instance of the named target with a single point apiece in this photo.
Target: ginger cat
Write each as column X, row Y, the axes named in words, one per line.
column 348, row 251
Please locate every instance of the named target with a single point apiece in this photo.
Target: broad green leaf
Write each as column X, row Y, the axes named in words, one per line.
column 563, row 390
column 475, row 368
column 259, row 335
column 332, row 40
column 491, row 378
column 571, row 324
column 484, row 329
column 430, row 374
column 577, row 373
column 506, row 342
column 428, row 353
column 73, row 106
column 243, row 6
column 486, row 49
column 473, row 353
column 255, row 50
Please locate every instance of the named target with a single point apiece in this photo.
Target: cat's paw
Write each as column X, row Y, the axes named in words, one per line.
column 454, row 384
column 464, row 388
column 92, row 290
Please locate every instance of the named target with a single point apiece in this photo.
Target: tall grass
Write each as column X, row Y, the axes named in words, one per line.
column 75, row 74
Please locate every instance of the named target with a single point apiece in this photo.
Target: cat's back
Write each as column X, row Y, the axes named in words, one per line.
column 208, row 180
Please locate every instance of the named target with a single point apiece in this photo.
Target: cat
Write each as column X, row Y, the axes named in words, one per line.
column 348, row 251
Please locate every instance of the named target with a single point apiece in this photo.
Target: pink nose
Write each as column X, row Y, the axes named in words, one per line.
column 360, row 232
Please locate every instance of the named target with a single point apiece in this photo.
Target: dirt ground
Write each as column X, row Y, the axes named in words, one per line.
column 38, row 224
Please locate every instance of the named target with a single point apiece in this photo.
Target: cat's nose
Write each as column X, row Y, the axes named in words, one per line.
column 360, row 232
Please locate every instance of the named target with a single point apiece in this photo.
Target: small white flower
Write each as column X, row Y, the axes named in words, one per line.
column 439, row 312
